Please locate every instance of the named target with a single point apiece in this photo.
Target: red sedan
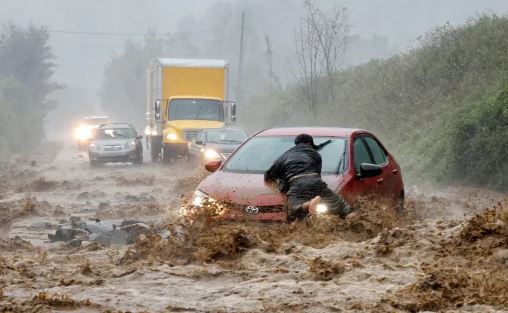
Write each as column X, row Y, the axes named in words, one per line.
column 355, row 164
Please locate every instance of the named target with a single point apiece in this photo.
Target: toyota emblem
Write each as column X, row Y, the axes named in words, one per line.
column 252, row 209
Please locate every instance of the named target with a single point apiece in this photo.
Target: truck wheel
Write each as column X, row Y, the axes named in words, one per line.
column 154, row 153
column 139, row 158
column 165, row 155
column 155, row 149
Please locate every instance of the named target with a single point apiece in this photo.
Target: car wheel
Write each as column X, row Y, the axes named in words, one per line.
column 399, row 208
column 95, row 163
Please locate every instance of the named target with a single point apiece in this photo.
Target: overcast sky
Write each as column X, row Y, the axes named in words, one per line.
column 81, row 57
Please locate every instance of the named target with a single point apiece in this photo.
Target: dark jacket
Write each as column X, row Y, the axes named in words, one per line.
column 301, row 159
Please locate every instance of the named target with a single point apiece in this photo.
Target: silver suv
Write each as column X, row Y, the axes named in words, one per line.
column 115, row 142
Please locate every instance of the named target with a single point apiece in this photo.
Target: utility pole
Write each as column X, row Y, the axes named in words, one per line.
column 240, row 57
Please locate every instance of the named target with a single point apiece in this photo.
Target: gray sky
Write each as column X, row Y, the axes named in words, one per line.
column 81, row 57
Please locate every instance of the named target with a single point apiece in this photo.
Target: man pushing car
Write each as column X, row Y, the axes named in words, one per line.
column 297, row 174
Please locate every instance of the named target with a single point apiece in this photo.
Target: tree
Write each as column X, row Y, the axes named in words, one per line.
column 26, row 69
column 123, row 91
column 321, row 42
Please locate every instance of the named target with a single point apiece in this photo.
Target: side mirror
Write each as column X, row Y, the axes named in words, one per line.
column 139, row 137
column 157, row 110
column 212, row 166
column 369, row 170
column 199, row 142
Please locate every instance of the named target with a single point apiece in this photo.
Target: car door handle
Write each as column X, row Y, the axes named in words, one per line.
column 380, row 180
column 395, row 172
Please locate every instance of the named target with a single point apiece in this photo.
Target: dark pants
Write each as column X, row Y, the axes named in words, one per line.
column 304, row 189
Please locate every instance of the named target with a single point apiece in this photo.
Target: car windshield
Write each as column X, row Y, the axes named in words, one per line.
column 196, row 109
column 259, row 153
column 225, row 136
column 114, row 133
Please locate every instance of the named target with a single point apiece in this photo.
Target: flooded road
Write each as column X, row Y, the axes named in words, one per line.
column 449, row 253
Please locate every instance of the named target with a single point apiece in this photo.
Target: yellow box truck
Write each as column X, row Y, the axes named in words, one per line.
column 183, row 97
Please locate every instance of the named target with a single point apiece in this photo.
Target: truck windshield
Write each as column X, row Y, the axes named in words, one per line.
column 196, row 109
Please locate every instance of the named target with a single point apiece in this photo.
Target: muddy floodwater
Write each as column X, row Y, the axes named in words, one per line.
column 449, row 253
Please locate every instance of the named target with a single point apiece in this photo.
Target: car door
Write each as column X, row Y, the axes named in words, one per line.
column 361, row 186
column 380, row 157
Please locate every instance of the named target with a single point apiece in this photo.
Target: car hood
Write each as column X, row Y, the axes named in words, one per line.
column 247, row 189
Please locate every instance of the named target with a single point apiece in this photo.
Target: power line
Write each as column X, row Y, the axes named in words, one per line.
column 130, row 34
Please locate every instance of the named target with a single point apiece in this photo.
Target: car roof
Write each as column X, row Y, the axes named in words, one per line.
column 116, row 125
column 313, row 131
column 96, row 118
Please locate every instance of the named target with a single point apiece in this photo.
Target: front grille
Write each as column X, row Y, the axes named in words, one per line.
column 271, row 209
column 112, row 148
column 264, row 209
column 189, row 134
column 225, row 155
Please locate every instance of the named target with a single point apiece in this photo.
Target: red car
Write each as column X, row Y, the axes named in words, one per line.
column 355, row 164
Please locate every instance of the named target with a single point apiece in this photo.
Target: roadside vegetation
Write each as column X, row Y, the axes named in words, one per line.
column 26, row 69
column 442, row 106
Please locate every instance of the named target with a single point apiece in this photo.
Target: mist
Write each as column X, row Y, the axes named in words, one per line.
column 85, row 35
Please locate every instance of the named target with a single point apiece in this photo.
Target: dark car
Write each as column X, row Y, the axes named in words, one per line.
column 355, row 164
column 216, row 144
column 115, row 142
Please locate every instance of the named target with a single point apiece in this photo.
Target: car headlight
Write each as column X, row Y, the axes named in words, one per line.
column 199, row 196
column 130, row 145
column 83, row 132
column 94, row 147
column 321, row 209
column 211, row 154
column 172, row 136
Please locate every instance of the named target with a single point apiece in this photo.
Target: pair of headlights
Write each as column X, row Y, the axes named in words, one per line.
column 200, row 196
column 130, row 145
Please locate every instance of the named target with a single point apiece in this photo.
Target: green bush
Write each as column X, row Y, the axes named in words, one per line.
column 433, row 106
column 479, row 143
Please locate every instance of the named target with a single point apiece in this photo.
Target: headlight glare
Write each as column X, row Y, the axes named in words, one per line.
column 211, row 154
column 83, row 132
column 321, row 209
column 199, row 196
column 172, row 136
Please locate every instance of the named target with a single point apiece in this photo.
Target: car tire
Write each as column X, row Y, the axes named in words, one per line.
column 165, row 155
column 95, row 164
column 399, row 208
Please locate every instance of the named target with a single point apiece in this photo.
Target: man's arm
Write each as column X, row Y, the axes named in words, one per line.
column 274, row 171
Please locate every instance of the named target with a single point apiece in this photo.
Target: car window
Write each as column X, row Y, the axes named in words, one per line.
column 259, row 153
column 377, row 152
column 225, row 136
column 360, row 153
